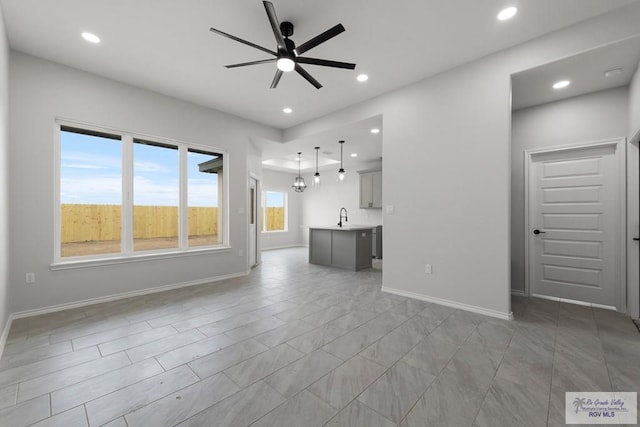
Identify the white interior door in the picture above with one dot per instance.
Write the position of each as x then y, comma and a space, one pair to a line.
574, 213
253, 222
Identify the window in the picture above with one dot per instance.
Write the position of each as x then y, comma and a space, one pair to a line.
90, 193
204, 186
156, 194
274, 211
120, 195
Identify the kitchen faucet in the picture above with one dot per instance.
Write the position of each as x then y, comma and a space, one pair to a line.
345, 217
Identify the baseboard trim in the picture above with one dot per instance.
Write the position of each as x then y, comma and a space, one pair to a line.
518, 292
123, 295
449, 303
5, 333
274, 248
571, 301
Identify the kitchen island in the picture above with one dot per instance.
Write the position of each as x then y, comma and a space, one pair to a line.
346, 247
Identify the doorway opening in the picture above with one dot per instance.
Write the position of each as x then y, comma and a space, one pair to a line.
549, 128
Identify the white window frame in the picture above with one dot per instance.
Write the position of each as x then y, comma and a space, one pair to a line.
264, 211
127, 254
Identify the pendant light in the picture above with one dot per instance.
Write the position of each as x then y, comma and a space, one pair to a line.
341, 172
316, 176
298, 183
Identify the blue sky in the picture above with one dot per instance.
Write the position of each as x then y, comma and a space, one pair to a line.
274, 198
91, 173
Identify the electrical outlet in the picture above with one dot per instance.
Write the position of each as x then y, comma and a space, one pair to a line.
427, 268
30, 278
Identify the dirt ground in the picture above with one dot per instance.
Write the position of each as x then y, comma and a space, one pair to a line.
113, 246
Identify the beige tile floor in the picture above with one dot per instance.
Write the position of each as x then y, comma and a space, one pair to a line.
294, 344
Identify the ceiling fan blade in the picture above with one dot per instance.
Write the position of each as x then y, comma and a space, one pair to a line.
244, 64
308, 77
321, 38
276, 79
325, 63
229, 36
275, 25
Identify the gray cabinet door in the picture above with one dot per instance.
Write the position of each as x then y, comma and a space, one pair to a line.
370, 189
320, 247
376, 192
366, 191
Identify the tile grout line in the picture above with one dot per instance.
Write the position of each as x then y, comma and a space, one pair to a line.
553, 362
484, 397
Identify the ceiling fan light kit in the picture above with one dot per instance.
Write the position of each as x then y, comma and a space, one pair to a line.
287, 56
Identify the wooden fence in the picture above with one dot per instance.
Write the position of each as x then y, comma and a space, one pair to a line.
274, 219
81, 223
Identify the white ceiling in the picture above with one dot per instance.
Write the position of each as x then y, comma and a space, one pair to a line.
358, 139
585, 71
166, 46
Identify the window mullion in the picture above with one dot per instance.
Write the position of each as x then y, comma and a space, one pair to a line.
183, 210
127, 194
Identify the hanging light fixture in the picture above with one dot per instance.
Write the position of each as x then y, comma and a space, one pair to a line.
341, 172
316, 176
298, 183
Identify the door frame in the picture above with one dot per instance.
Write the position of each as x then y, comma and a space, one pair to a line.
258, 219
621, 230
633, 197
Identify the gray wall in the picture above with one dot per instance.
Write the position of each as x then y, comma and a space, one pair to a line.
592, 117
281, 181
5, 307
446, 151
40, 91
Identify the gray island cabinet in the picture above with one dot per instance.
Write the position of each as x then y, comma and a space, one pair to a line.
343, 247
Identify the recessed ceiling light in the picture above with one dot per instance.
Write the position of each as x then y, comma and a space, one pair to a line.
613, 72
375, 130
90, 37
561, 84
287, 110
362, 77
354, 154
507, 13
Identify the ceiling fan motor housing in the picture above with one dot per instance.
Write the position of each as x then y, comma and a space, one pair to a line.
286, 28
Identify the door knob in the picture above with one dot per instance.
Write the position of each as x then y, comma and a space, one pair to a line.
536, 232
636, 238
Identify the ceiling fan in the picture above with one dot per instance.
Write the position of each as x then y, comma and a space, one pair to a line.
287, 56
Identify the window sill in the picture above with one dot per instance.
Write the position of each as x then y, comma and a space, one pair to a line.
84, 263
274, 231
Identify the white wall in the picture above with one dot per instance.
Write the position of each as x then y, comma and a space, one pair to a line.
40, 91
281, 181
5, 307
591, 117
322, 203
446, 151
633, 190
634, 104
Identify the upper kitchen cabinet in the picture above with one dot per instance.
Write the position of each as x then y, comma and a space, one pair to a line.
370, 189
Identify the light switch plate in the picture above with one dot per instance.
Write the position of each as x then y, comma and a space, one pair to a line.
390, 210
